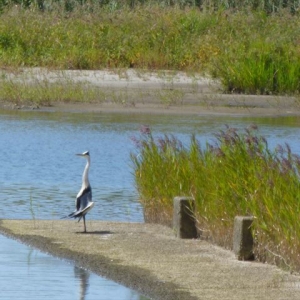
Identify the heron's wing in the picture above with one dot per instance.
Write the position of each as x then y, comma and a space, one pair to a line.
84, 198
85, 210
80, 213
83, 203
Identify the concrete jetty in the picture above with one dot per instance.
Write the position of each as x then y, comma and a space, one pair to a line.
150, 259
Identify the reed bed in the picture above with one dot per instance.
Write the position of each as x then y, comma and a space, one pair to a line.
251, 50
237, 174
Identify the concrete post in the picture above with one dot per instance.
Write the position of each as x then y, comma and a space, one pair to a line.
242, 238
184, 223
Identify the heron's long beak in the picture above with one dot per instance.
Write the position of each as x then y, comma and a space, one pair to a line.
79, 154
84, 154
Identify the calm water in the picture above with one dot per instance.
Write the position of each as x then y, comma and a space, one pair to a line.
35, 275
40, 177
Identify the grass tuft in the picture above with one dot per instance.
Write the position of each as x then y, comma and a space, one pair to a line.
44, 93
259, 55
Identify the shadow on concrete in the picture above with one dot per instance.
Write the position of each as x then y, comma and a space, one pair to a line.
101, 232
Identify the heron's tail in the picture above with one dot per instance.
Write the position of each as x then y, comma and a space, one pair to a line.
71, 215
80, 213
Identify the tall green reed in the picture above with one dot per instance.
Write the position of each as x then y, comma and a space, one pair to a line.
238, 174
259, 56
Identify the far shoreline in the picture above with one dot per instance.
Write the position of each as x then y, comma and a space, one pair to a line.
226, 108
145, 92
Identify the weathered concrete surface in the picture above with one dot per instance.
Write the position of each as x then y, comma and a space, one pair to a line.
150, 259
242, 237
184, 223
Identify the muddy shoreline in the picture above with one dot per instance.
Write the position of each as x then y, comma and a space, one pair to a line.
149, 259
138, 91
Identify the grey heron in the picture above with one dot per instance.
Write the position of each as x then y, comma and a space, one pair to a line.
83, 202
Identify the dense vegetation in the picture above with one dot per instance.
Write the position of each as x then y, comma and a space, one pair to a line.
238, 174
269, 6
252, 50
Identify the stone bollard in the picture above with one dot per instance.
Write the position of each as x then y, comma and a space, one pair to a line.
242, 238
184, 223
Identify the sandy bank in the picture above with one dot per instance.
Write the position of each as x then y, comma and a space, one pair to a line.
161, 92
149, 259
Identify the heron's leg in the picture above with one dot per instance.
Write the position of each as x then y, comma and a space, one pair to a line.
84, 223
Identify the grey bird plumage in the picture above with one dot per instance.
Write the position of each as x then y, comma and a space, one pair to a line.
83, 202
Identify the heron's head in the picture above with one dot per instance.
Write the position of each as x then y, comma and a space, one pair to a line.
84, 154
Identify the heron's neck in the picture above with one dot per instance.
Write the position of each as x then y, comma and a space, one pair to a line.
85, 176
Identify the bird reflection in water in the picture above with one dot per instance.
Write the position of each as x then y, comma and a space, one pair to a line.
83, 275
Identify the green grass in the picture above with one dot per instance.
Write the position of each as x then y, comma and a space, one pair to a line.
259, 55
269, 6
249, 51
144, 38
46, 94
238, 174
